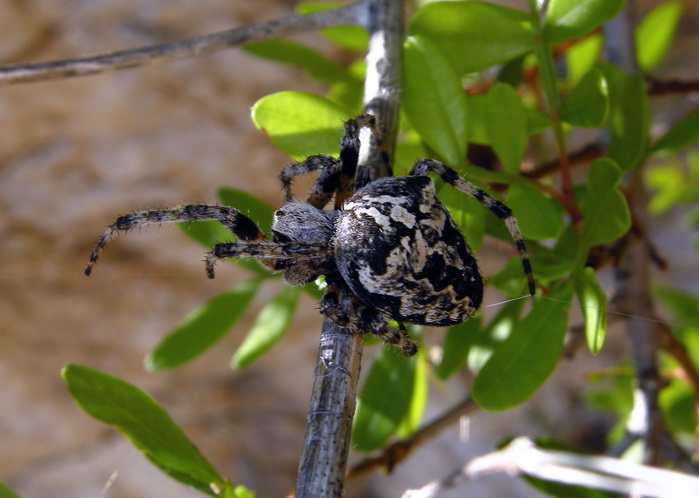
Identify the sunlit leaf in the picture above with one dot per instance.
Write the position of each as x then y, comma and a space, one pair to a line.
655, 33
144, 422
270, 326
582, 56
474, 35
568, 19
301, 124
413, 418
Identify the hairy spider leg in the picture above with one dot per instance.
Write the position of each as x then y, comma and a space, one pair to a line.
269, 253
324, 187
347, 310
424, 166
232, 219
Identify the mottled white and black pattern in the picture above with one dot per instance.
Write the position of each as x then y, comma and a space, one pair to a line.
398, 249
389, 251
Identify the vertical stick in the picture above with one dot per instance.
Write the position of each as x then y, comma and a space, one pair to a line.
329, 422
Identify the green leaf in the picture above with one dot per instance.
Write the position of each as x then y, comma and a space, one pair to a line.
593, 304
6, 492
506, 125
301, 124
440, 119
588, 103
495, 333
384, 400
683, 305
655, 33
678, 406
316, 65
144, 422
418, 400
582, 56
672, 184
606, 212
628, 119
456, 346
568, 19
202, 328
474, 35
521, 364
270, 326
683, 134
538, 216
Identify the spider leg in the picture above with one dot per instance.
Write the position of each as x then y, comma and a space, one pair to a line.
276, 256
325, 185
231, 218
424, 166
345, 309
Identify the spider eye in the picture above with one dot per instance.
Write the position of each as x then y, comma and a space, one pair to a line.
282, 265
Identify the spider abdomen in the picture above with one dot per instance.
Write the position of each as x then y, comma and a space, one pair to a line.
399, 250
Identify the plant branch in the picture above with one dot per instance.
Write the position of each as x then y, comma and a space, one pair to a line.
191, 47
522, 457
329, 424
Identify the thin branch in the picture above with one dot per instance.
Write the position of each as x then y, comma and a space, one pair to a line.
329, 424
400, 450
191, 47
522, 457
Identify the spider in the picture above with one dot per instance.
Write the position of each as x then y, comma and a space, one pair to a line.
388, 250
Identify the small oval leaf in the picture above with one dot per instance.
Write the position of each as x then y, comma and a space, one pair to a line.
654, 34
270, 326
593, 304
606, 212
301, 124
588, 103
202, 328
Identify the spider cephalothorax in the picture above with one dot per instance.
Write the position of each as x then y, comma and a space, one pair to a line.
388, 251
